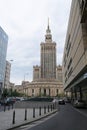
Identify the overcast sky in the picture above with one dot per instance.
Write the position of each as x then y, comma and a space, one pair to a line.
25, 22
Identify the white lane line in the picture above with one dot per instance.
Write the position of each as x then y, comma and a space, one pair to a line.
82, 113
27, 127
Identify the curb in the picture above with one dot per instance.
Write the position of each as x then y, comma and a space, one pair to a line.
31, 121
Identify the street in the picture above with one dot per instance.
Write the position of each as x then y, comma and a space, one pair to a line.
68, 118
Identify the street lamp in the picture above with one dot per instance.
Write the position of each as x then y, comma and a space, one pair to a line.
10, 75
24, 81
25, 76
11, 65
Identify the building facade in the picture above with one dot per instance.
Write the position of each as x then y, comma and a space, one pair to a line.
3, 51
48, 57
75, 52
12, 86
41, 88
47, 78
59, 74
36, 73
7, 75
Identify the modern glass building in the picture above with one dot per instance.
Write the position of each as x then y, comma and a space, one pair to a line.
3, 51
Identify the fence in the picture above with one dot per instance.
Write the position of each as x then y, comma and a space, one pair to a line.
36, 111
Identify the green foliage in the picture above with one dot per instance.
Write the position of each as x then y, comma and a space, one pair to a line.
61, 95
5, 93
10, 93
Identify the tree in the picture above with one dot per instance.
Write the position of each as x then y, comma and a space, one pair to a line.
5, 92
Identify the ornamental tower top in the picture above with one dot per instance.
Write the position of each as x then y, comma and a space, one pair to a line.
48, 36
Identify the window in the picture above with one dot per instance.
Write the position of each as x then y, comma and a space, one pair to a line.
70, 62
32, 92
68, 46
57, 91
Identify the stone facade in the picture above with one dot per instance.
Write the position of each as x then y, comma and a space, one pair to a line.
44, 88
59, 74
47, 78
48, 57
36, 73
75, 51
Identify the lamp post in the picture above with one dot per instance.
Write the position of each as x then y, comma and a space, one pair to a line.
24, 81
11, 64
10, 76
25, 75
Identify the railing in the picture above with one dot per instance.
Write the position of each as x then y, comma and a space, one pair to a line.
23, 112
35, 112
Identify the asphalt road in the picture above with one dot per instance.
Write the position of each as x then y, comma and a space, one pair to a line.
68, 118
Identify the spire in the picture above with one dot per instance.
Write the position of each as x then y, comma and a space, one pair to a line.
48, 22
48, 31
48, 36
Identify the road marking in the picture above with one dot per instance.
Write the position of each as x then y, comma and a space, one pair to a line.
28, 126
82, 113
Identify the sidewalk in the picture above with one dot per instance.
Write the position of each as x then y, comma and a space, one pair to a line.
7, 117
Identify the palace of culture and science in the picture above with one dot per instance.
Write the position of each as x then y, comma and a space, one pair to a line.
47, 78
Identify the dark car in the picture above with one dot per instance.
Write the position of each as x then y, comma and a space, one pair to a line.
79, 104
8, 101
61, 102
11, 100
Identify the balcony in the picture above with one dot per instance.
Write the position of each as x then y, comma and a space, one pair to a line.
83, 7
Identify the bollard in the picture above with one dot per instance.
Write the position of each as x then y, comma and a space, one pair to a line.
55, 105
48, 108
44, 110
25, 114
12, 105
34, 112
51, 107
8, 107
13, 121
4, 107
39, 111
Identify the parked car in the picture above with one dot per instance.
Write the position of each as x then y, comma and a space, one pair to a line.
11, 100
79, 104
61, 102
8, 101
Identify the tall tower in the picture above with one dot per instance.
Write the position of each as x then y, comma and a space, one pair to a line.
47, 78
3, 51
48, 56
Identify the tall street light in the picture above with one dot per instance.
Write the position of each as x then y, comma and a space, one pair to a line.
25, 76
24, 81
11, 65
11, 61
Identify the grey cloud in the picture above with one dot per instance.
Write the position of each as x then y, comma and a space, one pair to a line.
26, 26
